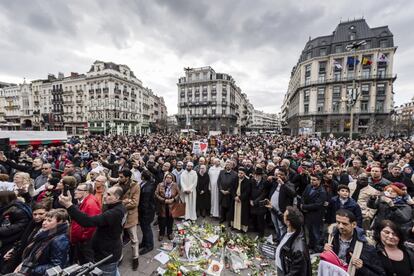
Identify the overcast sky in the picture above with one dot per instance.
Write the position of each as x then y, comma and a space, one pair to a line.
257, 42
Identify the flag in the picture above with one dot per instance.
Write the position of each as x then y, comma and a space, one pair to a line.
366, 61
337, 65
382, 58
351, 61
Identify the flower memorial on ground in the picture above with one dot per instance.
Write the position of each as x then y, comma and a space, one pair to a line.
212, 249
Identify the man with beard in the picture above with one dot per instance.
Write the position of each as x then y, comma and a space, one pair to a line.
177, 173
214, 173
345, 236
226, 182
241, 196
376, 180
189, 188
259, 192
395, 174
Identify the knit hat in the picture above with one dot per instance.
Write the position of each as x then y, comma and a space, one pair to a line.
399, 185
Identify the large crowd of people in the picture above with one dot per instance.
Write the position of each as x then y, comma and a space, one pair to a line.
82, 201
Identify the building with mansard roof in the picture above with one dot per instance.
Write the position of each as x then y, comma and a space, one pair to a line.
321, 83
210, 101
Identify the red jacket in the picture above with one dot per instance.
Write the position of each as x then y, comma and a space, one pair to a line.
89, 206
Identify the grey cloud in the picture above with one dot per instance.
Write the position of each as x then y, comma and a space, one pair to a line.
258, 42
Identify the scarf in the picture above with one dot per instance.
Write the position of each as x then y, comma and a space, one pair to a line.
40, 242
167, 189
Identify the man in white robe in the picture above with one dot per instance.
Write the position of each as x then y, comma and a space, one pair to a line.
189, 189
214, 172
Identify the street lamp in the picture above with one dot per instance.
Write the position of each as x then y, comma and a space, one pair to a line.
187, 117
353, 96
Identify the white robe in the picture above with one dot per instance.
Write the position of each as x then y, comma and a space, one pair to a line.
214, 172
189, 183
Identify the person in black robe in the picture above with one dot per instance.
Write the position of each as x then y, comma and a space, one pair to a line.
227, 181
203, 191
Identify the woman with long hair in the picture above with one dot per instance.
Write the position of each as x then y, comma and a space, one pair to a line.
397, 259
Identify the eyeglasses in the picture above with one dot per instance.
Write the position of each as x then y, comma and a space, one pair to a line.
81, 190
45, 168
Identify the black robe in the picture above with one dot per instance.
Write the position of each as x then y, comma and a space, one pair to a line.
203, 184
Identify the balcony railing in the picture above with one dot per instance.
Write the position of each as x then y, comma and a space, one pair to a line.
357, 110
348, 79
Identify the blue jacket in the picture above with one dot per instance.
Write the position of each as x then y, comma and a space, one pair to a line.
312, 204
350, 204
55, 254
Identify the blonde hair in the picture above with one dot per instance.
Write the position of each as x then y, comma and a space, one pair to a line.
26, 178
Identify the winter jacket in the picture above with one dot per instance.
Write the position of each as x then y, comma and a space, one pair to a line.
378, 184
294, 256
109, 227
161, 197
313, 204
258, 193
350, 204
131, 201
400, 213
371, 265
89, 206
146, 207
55, 254
14, 218
286, 195
363, 198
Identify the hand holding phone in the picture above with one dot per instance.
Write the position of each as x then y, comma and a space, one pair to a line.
65, 190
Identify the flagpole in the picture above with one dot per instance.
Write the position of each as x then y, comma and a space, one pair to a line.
354, 46
351, 128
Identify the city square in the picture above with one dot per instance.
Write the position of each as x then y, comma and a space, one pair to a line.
206, 138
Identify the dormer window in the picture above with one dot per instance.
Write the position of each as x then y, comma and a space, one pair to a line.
352, 36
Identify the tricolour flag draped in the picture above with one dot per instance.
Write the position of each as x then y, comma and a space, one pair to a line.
366, 61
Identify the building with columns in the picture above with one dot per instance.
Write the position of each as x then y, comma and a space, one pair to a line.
321, 83
210, 101
109, 98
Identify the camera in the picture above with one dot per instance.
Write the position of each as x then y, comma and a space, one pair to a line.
89, 269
